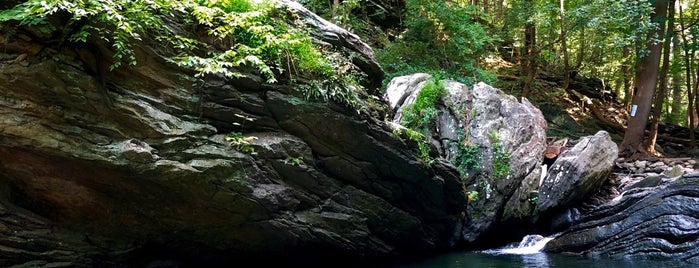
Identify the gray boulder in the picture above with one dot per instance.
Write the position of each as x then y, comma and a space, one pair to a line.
577, 173
508, 137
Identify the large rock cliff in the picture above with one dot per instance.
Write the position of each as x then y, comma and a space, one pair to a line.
147, 171
147, 166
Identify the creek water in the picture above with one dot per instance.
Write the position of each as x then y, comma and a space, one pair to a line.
528, 254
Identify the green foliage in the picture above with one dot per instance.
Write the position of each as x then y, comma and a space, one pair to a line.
259, 37
241, 142
120, 21
485, 187
597, 34
242, 35
294, 161
424, 149
501, 158
19, 13
422, 114
228, 6
326, 90
441, 36
473, 195
467, 157
533, 200
413, 135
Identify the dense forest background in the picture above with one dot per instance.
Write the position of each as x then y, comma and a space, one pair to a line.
629, 64
538, 49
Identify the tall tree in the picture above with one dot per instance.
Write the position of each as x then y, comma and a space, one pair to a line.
564, 47
626, 73
662, 87
531, 51
688, 58
675, 107
646, 78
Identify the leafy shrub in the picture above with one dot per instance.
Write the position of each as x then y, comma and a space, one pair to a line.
228, 6
412, 135
422, 114
473, 195
243, 35
241, 142
440, 36
467, 158
501, 158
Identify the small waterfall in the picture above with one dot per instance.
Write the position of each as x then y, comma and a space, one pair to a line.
530, 244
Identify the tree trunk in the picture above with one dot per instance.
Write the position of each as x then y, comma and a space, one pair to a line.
564, 47
581, 50
695, 114
333, 8
660, 95
626, 72
646, 78
688, 78
675, 108
530, 50
596, 60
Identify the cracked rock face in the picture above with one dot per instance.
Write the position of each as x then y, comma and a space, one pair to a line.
154, 176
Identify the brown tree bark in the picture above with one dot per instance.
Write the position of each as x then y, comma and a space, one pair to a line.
688, 79
677, 93
662, 87
626, 73
582, 50
529, 66
646, 78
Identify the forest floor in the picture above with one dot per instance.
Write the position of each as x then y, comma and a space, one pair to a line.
576, 112
585, 108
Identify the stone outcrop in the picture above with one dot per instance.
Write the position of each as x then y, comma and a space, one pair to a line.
577, 173
147, 173
141, 168
361, 54
495, 123
646, 222
648, 211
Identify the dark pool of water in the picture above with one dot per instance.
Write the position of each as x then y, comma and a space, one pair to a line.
539, 260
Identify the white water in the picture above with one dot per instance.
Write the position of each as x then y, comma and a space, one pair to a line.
530, 244
617, 198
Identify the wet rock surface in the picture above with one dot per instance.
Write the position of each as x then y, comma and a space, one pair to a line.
649, 210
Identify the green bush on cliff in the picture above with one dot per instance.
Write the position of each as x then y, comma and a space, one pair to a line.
423, 147
422, 114
238, 35
501, 158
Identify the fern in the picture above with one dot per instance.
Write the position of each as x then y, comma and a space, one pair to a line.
246, 35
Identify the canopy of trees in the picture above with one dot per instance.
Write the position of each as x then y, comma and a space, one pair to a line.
643, 51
